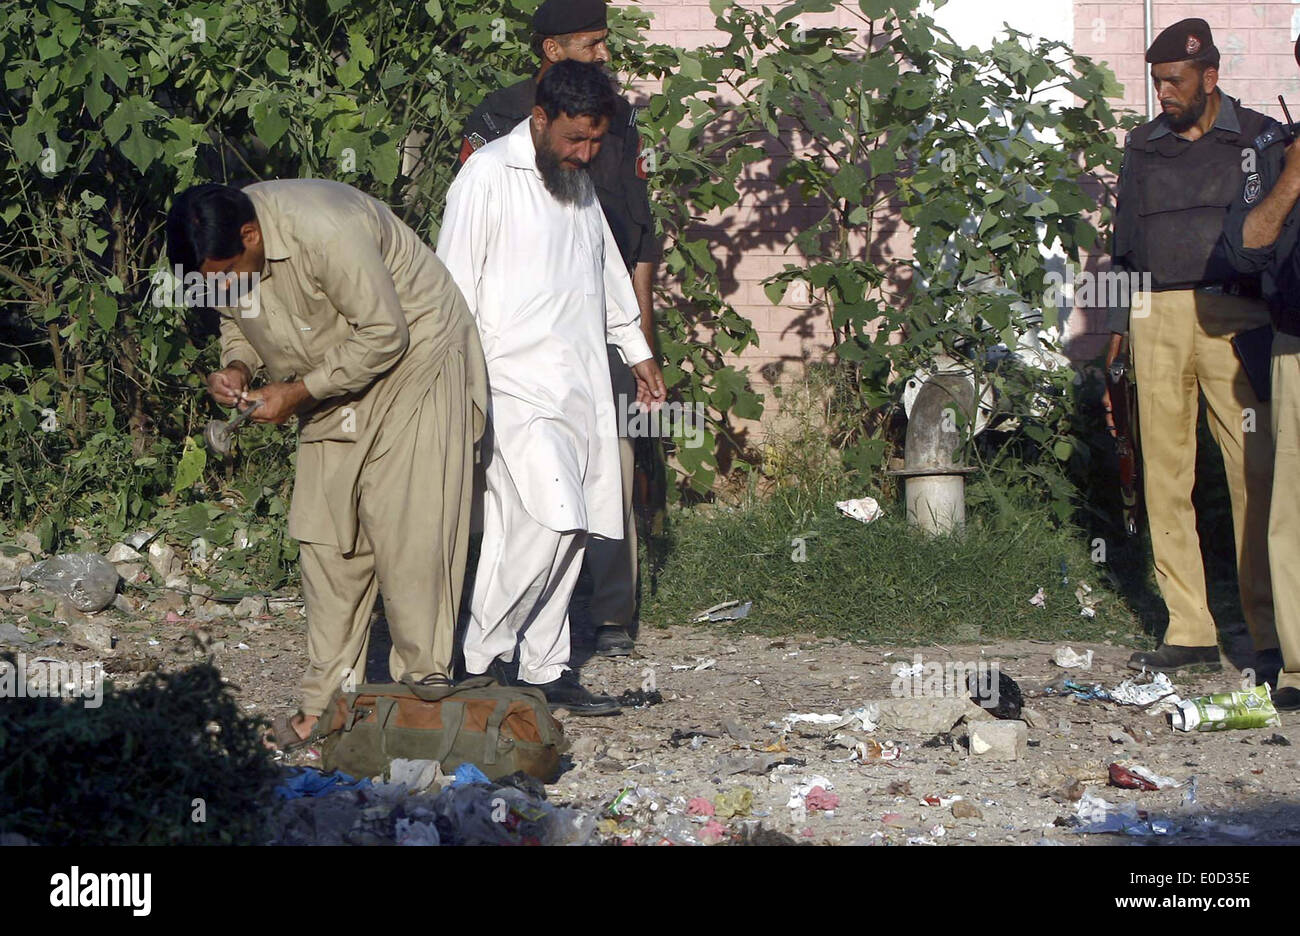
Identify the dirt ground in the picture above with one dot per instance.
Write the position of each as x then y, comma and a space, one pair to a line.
724, 698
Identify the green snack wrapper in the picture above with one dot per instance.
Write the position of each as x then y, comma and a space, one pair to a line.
1222, 711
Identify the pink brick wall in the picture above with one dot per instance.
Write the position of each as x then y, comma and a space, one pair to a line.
1255, 39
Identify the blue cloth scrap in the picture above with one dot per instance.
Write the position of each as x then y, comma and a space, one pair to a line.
308, 781
468, 773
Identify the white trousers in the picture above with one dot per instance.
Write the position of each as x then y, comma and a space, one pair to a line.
526, 576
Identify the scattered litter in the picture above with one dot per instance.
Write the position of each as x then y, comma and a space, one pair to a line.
309, 782
413, 832
88, 580
727, 611
865, 718
699, 806
468, 773
692, 734
417, 775
1137, 777
1087, 601
798, 803
698, 666
822, 800
1039, 600
736, 802
872, 751
712, 833
640, 698
1158, 690
1277, 739
1223, 711
1005, 702
863, 509
1095, 815
1068, 658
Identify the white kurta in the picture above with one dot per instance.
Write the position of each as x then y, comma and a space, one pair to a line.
534, 273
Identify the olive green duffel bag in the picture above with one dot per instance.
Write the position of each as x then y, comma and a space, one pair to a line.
499, 729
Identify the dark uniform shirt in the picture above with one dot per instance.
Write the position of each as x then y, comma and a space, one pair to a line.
1279, 263
1173, 197
616, 170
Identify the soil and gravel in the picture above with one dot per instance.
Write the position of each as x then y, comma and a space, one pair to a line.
720, 726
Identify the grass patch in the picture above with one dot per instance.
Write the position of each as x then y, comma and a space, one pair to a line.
883, 583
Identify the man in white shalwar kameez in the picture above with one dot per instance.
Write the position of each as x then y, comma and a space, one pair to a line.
525, 239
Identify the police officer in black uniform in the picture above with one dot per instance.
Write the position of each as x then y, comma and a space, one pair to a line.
577, 29
1180, 173
1262, 235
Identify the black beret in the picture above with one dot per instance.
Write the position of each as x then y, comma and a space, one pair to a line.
561, 17
1186, 40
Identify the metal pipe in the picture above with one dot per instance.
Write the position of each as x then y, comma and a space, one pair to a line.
1148, 31
935, 485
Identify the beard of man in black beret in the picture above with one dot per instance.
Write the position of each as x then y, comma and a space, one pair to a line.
1184, 90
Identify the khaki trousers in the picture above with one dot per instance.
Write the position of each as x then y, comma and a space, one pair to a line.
1284, 518
414, 515
612, 562
1181, 343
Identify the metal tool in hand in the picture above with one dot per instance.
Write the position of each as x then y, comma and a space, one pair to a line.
220, 435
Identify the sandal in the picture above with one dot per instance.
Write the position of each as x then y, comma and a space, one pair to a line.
284, 737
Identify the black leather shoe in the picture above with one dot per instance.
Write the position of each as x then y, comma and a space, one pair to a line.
1171, 658
613, 641
1287, 699
567, 693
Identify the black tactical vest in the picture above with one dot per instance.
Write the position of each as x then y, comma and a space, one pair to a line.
1181, 192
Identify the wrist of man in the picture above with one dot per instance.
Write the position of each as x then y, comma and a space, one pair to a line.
243, 369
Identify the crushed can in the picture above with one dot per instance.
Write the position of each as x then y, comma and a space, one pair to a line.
1222, 711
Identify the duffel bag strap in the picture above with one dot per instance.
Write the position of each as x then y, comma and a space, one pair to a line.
492, 733
453, 719
435, 688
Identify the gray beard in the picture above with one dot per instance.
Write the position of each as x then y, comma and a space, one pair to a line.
569, 186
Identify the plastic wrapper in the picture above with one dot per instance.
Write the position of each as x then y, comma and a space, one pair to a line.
88, 580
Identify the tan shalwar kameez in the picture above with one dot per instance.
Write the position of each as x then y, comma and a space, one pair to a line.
354, 304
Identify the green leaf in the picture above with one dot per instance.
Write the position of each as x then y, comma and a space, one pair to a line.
278, 61
269, 122
105, 309
96, 98
189, 469
1062, 450
141, 149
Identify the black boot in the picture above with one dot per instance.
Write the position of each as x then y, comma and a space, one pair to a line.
1287, 699
1171, 658
567, 693
613, 640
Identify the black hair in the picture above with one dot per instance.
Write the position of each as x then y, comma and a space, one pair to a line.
204, 222
577, 89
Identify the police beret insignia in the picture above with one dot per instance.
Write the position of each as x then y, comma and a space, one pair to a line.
476, 140
1253, 186
1193, 45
